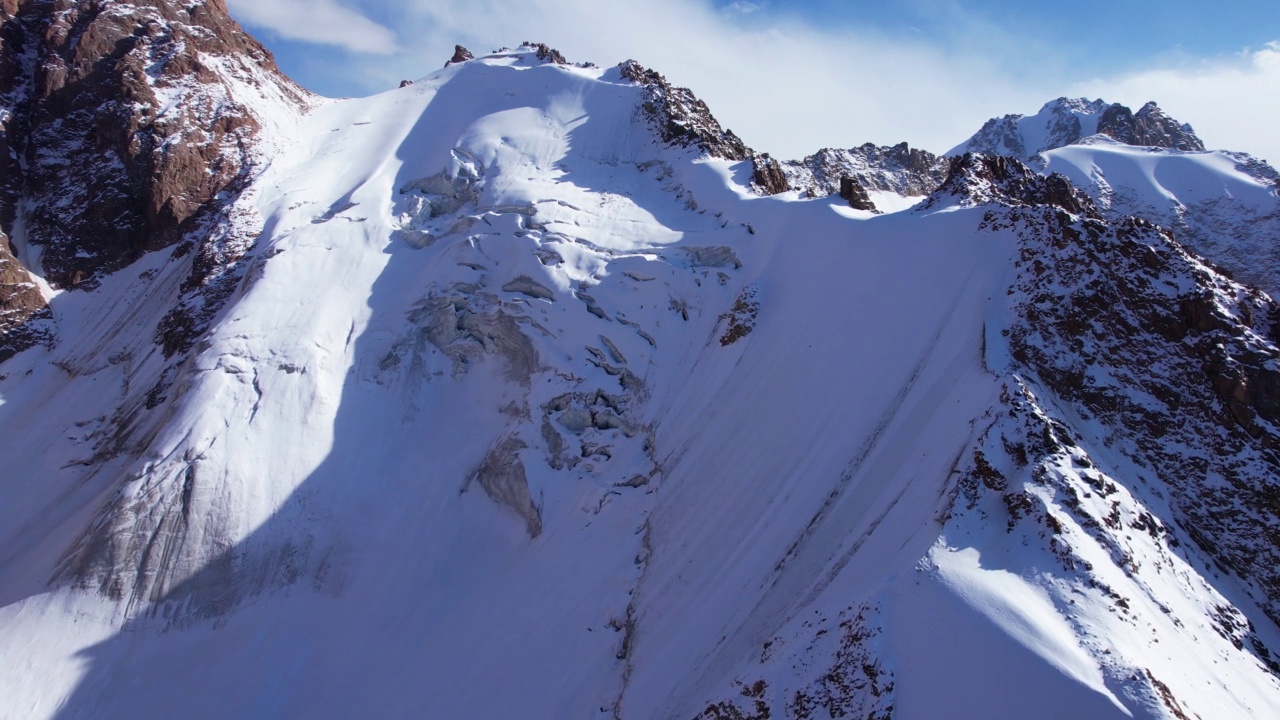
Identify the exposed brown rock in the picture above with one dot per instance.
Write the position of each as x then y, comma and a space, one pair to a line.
767, 175
546, 53
978, 179
460, 54
1167, 375
680, 118
899, 169
124, 131
109, 169
852, 191
1150, 126
22, 307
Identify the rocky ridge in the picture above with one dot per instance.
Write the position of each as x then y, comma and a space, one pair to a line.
1224, 206
1149, 127
1120, 323
680, 118
898, 169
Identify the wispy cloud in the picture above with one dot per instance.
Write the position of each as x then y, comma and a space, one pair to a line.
743, 7
789, 86
317, 21
783, 84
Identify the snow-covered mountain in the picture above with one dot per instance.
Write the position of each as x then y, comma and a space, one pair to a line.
513, 392
1067, 121
1224, 205
893, 177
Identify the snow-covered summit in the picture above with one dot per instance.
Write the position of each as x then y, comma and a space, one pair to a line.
1223, 205
1067, 121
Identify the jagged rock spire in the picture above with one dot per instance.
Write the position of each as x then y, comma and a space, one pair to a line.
1150, 126
681, 118
460, 54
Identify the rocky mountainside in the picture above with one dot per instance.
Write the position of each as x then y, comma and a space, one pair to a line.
127, 127
900, 171
1118, 323
531, 375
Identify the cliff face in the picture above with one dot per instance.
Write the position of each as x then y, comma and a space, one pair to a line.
1149, 127
1118, 323
127, 127
680, 118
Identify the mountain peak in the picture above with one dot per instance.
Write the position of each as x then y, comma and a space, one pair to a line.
1080, 106
1069, 121
1150, 127
682, 119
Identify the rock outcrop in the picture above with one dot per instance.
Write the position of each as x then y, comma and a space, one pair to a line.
460, 54
128, 128
122, 112
975, 179
852, 191
767, 175
898, 169
680, 118
1150, 127
24, 315
546, 53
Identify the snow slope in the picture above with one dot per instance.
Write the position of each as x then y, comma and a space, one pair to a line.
519, 412
1224, 205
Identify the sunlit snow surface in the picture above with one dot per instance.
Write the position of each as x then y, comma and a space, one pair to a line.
332, 558
1213, 201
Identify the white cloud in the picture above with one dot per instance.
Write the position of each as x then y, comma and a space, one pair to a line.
1231, 102
786, 87
790, 87
316, 21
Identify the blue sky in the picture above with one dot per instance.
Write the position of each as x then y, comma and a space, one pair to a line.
1099, 35
846, 71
